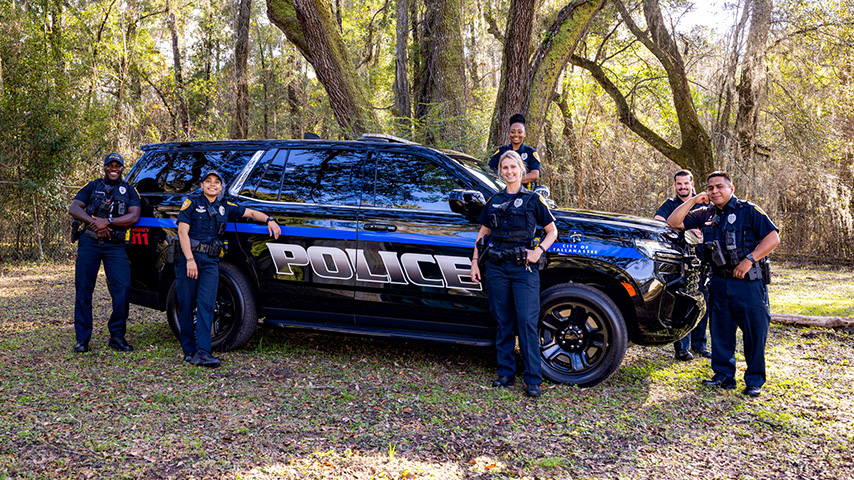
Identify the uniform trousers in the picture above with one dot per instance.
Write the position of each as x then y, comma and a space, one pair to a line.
90, 254
199, 295
738, 303
513, 293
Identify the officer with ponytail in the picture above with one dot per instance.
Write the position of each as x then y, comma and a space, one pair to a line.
512, 277
201, 224
528, 153
103, 211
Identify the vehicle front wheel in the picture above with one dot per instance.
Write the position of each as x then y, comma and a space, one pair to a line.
582, 335
235, 311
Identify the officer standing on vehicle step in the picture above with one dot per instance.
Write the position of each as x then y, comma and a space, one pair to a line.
683, 183
737, 238
512, 276
528, 153
201, 224
102, 211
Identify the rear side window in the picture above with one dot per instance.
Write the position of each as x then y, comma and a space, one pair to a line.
266, 180
322, 176
181, 171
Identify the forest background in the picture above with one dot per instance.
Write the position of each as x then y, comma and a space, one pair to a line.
619, 94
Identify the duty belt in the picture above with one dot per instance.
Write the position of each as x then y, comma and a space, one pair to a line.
722, 272
201, 247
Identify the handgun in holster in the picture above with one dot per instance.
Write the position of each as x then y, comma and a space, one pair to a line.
172, 249
482, 246
713, 253
77, 229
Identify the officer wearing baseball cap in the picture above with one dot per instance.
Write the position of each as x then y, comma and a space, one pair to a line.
103, 210
201, 225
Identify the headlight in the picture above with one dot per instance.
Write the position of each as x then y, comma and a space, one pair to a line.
654, 248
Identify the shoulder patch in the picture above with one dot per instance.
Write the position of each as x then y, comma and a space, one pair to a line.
186, 204
232, 204
536, 155
137, 191
760, 210
543, 201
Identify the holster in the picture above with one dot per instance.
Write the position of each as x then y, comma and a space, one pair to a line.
483, 249
76, 230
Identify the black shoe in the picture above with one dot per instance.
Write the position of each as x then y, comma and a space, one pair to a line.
684, 355
725, 383
532, 391
203, 358
504, 382
752, 391
188, 357
703, 352
119, 343
81, 347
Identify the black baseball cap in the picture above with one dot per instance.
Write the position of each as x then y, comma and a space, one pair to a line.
214, 173
114, 157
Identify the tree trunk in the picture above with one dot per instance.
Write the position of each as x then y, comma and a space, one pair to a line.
726, 96
513, 87
402, 97
550, 60
240, 126
575, 159
183, 114
752, 80
443, 91
310, 25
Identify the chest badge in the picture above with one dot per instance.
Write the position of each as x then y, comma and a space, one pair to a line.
123, 190
517, 203
524, 156
221, 210
730, 218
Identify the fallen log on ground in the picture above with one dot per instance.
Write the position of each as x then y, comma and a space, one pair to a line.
824, 322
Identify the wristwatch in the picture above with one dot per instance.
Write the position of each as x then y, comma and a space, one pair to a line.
541, 248
750, 257
270, 219
110, 220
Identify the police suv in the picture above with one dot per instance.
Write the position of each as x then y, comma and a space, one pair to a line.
377, 238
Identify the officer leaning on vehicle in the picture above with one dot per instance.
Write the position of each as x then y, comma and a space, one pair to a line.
201, 224
683, 183
528, 153
737, 238
512, 277
102, 211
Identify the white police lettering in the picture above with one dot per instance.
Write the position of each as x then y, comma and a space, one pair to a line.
337, 264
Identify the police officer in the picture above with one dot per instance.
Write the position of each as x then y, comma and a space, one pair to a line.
102, 212
512, 278
737, 236
528, 153
201, 223
683, 183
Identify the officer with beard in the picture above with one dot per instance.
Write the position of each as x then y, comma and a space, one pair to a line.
103, 210
683, 183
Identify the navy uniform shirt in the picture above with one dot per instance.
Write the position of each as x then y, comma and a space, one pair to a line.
536, 206
203, 225
753, 222
671, 204
102, 188
528, 153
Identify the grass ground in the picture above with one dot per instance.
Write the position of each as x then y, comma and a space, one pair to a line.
298, 405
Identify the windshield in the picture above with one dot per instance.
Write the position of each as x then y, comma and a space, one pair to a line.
478, 169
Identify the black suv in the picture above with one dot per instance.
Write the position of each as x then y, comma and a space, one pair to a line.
377, 236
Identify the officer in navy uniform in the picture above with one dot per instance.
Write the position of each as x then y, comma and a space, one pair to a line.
528, 153
512, 277
683, 183
201, 224
102, 212
737, 237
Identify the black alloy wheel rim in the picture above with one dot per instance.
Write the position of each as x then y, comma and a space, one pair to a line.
573, 338
225, 312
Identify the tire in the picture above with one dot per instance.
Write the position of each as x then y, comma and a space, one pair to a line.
235, 313
582, 335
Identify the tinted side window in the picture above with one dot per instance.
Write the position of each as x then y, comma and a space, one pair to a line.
179, 172
408, 181
321, 176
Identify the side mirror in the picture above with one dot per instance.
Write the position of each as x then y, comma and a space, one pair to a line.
466, 202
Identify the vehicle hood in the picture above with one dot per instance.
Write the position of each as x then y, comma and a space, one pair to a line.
617, 224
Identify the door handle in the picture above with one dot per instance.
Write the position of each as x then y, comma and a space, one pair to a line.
380, 227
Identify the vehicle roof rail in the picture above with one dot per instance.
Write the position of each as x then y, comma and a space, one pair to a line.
382, 137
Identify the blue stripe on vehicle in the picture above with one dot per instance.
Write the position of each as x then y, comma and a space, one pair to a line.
466, 240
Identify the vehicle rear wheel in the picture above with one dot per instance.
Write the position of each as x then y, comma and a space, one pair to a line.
235, 312
582, 335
